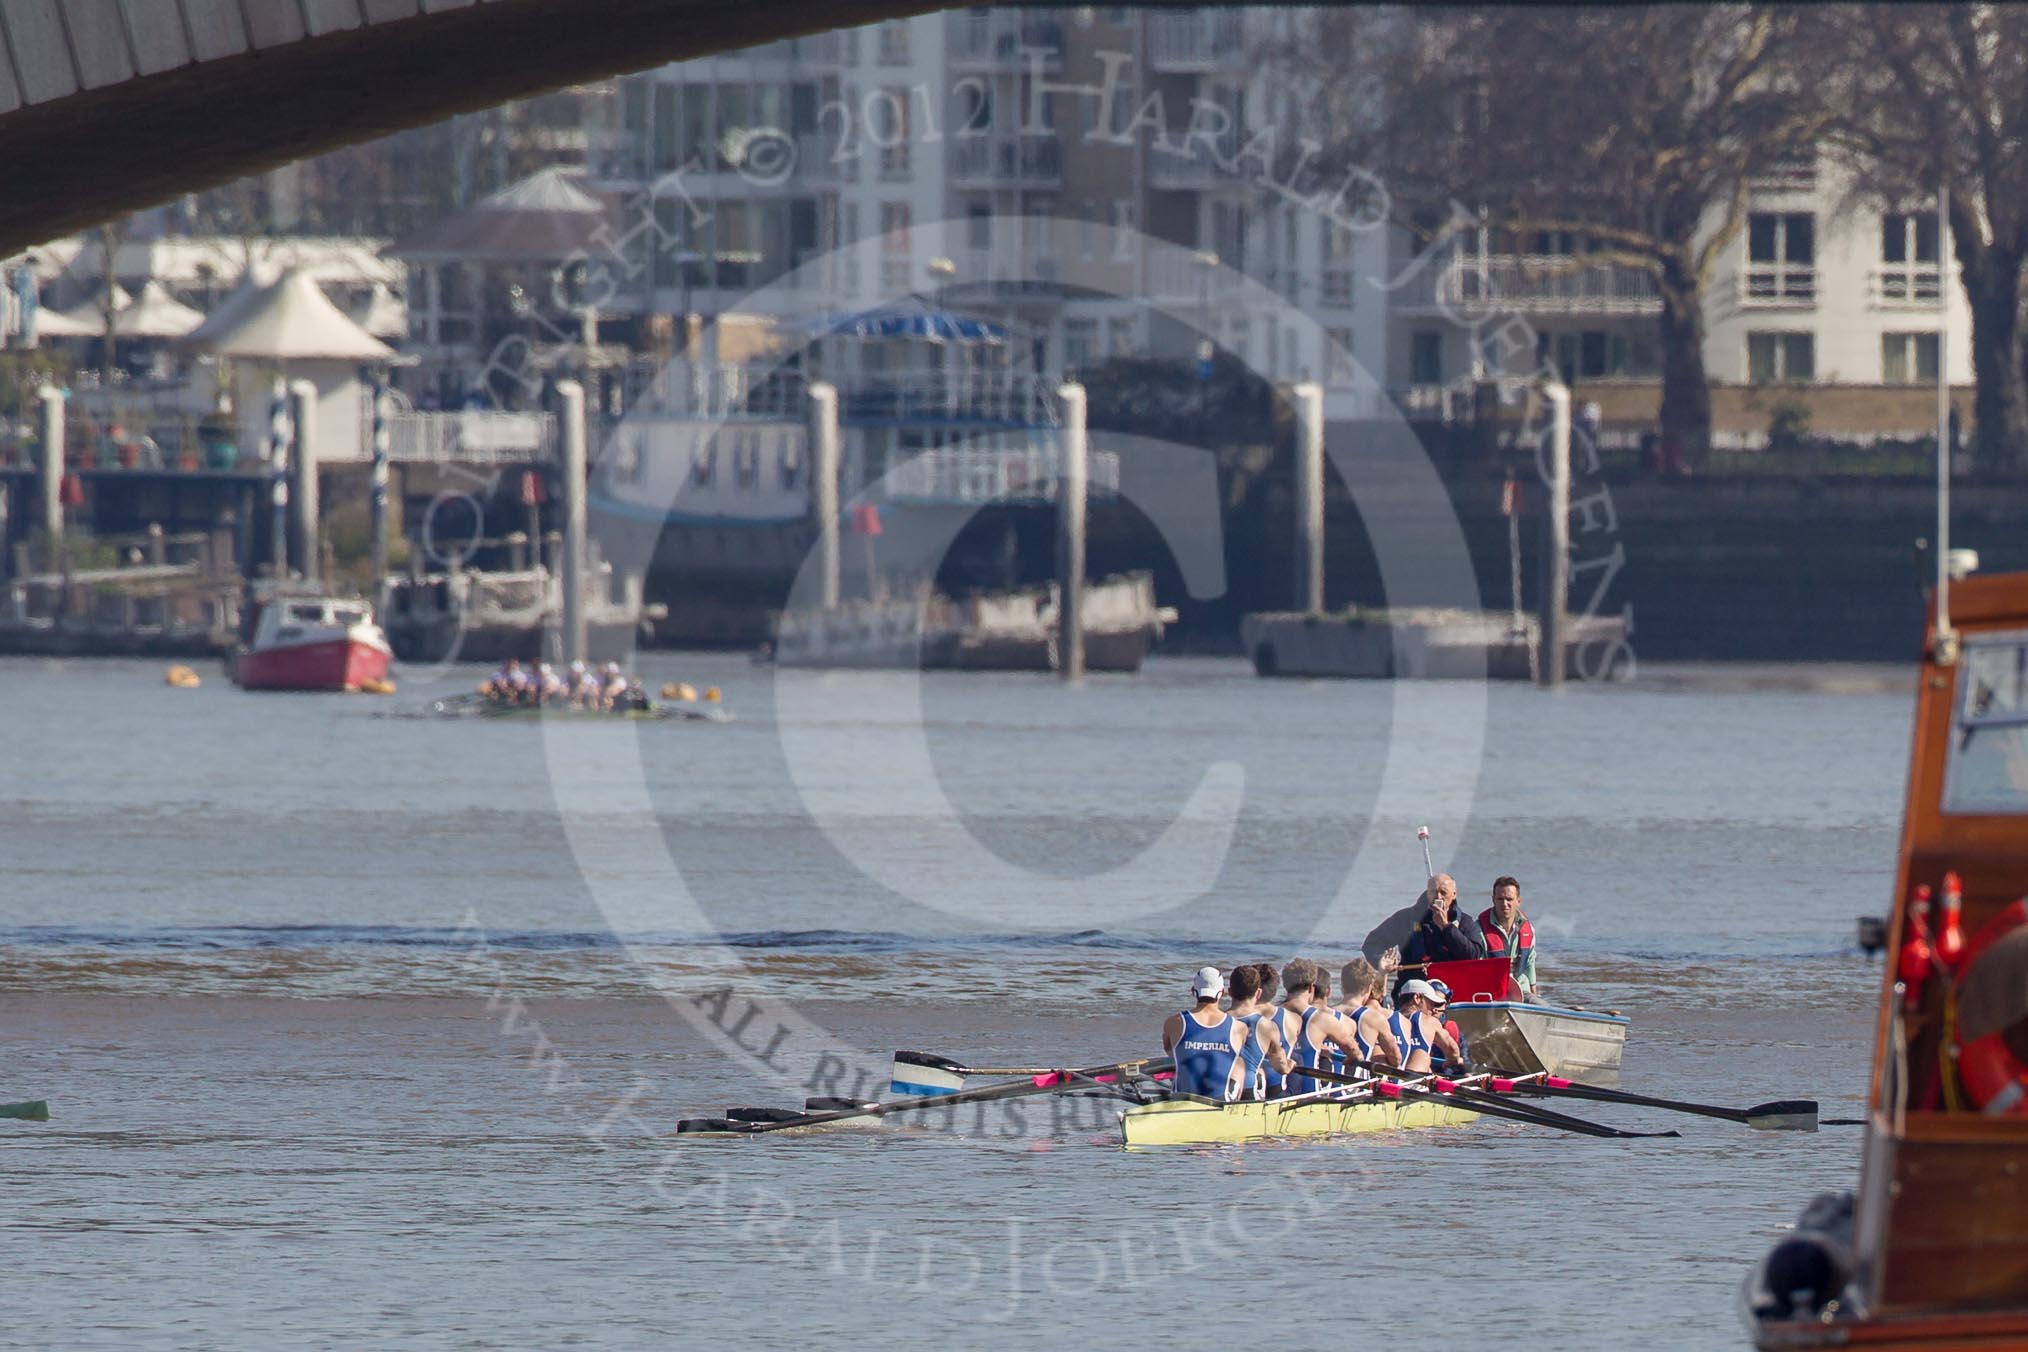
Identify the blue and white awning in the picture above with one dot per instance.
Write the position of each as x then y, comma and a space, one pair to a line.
934, 326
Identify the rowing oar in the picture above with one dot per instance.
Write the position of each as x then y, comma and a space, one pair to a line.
35, 1110
918, 1073
1452, 1091
1780, 1115
1038, 1084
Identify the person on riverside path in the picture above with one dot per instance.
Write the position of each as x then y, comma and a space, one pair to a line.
1319, 1033
1506, 932
1417, 1025
1208, 1043
1365, 1013
1263, 1043
1441, 935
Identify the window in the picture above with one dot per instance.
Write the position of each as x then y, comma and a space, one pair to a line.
888, 129
1121, 114
1080, 344
1123, 230
1772, 358
979, 226
1781, 256
1909, 274
1597, 354
1908, 358
1337, 265
1120, 337
894, 227
1426, 357
1338, 359
894, 43
1988, 770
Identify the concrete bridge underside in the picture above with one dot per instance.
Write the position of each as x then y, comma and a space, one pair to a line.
107, 106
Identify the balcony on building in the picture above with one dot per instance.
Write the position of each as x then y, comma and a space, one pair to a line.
1529, 284
1195, 40
1906, 286
982, 162
1778, 286
997, 39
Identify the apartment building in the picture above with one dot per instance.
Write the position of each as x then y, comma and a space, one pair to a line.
1818, 293
1011, 163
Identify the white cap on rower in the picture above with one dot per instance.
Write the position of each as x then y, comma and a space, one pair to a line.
1208, 983
1422, 988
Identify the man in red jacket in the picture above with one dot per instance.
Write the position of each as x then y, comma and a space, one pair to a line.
1508, 933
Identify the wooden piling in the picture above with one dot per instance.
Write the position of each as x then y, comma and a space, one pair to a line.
824, 469
1070, 527
571, 417
382, 453
303, 478
1556, 541
1309, 408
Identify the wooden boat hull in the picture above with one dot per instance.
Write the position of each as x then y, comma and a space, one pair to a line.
1187, 1122
1523, 1039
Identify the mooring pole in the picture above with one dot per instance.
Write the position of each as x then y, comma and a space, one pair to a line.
1070, 523
303, 474
279, 435
824, 488
1309, 402
382, 453
570, 413
49, 402
1556, 540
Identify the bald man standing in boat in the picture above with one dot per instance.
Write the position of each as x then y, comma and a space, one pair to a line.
1394, 932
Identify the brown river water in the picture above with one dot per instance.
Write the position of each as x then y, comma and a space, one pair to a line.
363, 1030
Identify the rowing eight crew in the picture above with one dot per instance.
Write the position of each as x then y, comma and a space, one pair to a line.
1257, 1049
606, 690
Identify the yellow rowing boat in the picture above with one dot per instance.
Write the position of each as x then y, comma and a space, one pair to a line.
1187, 1122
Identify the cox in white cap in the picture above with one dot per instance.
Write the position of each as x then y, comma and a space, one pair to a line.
1209, 985
1422, 988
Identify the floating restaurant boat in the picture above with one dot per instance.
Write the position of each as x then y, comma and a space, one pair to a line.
473, 616
310, 641
1194, 1122
1931, 1252
1522, 1037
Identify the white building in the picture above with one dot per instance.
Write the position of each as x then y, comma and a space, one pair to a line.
1005, 162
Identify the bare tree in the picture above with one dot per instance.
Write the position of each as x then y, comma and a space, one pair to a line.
1630, 133
1936, 96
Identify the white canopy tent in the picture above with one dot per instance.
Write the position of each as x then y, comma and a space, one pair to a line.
291, 327
155, 314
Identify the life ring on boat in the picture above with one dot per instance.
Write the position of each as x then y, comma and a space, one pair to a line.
1990, 1008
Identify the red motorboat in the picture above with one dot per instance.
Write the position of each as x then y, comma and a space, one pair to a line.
312, 642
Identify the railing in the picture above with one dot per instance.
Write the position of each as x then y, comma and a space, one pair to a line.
471, 438
1776, 284
1185, 169
995, 397
1911, 286
1196, 40
714, 391
1177, 279
993, 474
1028, 163
1791, 176
1530, 283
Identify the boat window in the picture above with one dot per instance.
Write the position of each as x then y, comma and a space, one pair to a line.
1988, 770
307, 614
348, 618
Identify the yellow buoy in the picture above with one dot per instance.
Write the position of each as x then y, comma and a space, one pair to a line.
682, 690
711, 696
182, 677
379, 687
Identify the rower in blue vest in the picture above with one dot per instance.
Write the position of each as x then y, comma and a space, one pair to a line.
1264, 1055
1419, 1027
1209, 1045
1318, 1029
1368, 1017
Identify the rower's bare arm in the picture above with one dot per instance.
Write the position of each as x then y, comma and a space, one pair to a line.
1171, 1032
1386, 1050
1445, 1043
1273, 1052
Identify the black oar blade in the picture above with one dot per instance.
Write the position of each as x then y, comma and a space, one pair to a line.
693, 1126
823, 1104
1783, 1115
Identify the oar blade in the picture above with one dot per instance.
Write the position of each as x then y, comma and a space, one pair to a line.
35, 1110
1783, 1115
714, 1126
919, 1074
